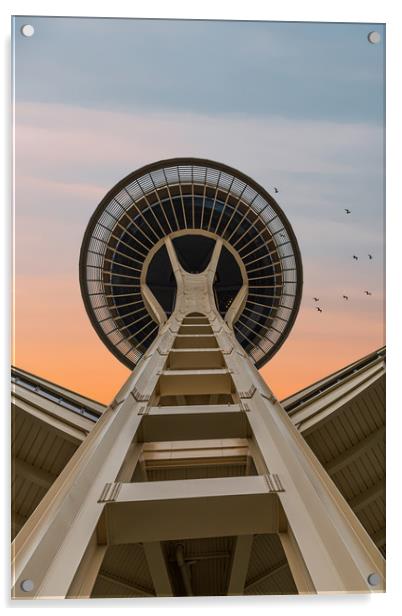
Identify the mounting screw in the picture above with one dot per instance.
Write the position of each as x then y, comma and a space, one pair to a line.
27, 585
374, 37
27, 30
373, 579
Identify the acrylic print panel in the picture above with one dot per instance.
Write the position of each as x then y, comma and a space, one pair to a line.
198, 350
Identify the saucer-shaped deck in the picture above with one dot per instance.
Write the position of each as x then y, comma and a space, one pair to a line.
193, 201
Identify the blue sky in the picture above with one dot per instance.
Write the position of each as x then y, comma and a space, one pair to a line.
297, 70
293, 105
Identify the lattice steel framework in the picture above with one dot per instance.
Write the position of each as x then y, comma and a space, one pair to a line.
194, 403
196, 195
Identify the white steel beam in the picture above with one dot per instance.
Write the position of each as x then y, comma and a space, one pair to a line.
192, 422
325, 406
165, 510
158, 569
51, 422
55, 411
51, 545
240, 562
88, 570
336, 549
297, 566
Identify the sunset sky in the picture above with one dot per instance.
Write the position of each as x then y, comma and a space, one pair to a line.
298, 106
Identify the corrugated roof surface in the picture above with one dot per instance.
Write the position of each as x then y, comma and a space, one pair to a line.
345, 432
268, 572
124, 573
42, 449
198, 472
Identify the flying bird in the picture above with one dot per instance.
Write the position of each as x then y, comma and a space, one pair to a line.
368, 293
345, 297
316, 299
370, 256
275, 189
355, 258
347, 211
319, 309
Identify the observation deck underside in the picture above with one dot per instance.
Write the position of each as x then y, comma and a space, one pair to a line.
194, 202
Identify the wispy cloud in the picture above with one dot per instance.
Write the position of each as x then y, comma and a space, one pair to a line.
301, 70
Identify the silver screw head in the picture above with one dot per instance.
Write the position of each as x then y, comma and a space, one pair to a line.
27, 585
27, 30
373, 579
374, 37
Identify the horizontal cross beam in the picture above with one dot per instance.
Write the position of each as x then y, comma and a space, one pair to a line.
194, 422
167, 510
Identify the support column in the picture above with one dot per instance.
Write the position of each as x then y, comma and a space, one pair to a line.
157, 567
88, 570
241, 559
297, 566
47, 552
338, 552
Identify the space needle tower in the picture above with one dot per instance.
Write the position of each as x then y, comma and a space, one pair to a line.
191, 275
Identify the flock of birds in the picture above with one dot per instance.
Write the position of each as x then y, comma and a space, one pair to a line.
355, 258
346, 297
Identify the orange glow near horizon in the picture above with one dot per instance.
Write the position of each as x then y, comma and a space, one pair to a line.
68, 157
74, 357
